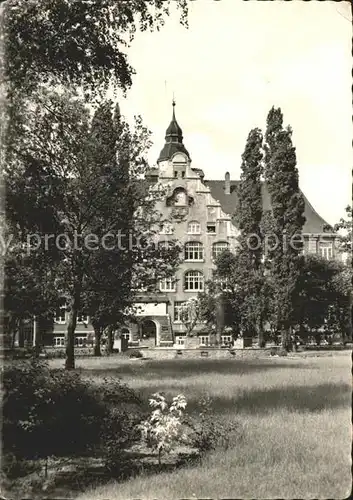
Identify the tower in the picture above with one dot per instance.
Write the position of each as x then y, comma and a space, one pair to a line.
173, 141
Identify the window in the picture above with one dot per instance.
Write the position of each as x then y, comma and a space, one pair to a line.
59, 341
326, 250
178, 308
180, 340
226, 339
193, 251
183, 174
167, 284
193, 281
60, 315
194, 227
82, 317
180, 198
211, 228
204, 340
167, 228
125, 334
175, 174
218, 248
80, 341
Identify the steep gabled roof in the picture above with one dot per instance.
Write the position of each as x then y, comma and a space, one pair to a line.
313, 224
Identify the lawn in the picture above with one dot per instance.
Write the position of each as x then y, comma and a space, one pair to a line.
294, 436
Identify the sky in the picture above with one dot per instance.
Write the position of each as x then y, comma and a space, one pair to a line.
236, 61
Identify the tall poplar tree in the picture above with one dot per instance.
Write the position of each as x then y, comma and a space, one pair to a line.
248, 217
287, 205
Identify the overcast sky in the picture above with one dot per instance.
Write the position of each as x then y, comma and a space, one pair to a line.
235, 61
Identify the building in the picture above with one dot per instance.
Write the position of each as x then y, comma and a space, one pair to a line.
200, 213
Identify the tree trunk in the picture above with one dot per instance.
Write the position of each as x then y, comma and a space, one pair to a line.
159, 457
71, 327
285, 342
219, 320
261, 333
11, 331
97, 342
21, 340
13, 338
110, 340
36, 339
213, 337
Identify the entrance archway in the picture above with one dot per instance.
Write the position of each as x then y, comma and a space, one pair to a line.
149, 331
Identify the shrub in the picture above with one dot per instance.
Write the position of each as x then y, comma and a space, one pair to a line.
207, 432
163, 430
19, 353
55, 412
136, 354
13, 468
282, 352
55, 353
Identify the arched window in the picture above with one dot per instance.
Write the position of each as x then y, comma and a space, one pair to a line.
218, 248
167, 284
125, 333
193, 250
180, 198
194, 227
193, 281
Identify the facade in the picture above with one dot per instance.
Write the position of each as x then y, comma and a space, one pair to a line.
199, 214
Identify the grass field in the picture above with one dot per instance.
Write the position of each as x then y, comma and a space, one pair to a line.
294, 439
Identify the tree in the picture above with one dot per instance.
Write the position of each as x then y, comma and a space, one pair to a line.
80, 43
281, 175
324, 298
88, 171
248, 216
29, 290
314, 297
191, 313
164, 429
226, 287
344, 228
341, 310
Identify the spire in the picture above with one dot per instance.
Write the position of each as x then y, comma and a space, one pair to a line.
173, 139
173, 104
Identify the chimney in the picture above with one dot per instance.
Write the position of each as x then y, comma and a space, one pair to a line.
227, 183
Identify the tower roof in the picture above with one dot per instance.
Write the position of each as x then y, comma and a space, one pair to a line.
173, 140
